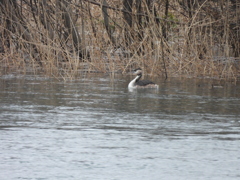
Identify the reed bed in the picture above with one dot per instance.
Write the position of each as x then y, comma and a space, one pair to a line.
63, 38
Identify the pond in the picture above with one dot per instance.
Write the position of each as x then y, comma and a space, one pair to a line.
95, 128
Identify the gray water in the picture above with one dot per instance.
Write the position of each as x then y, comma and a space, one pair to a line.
94, 128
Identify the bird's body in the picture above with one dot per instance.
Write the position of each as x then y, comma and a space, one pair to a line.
137, 83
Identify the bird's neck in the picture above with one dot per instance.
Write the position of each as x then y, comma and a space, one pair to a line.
138, 77
132, 84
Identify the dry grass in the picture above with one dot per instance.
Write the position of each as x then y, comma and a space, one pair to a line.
66, 39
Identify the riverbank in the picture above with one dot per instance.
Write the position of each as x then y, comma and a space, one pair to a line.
165, 40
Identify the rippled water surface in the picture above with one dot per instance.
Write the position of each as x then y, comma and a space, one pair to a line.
94, 128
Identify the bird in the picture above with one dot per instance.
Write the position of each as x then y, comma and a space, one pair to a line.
137, 83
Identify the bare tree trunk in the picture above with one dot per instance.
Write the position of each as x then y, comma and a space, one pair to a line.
70, 25
106, 23
127, 7
127, 16
165, 24
71, 29
139, 19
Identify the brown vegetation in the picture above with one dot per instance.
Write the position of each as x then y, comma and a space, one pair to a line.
199, 38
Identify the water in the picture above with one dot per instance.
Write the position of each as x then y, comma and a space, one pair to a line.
94, 128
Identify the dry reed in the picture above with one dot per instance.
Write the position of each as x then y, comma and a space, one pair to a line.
63, 38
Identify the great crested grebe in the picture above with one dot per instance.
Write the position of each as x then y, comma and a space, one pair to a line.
137, 83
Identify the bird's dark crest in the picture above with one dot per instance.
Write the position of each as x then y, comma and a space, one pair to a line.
137, 69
